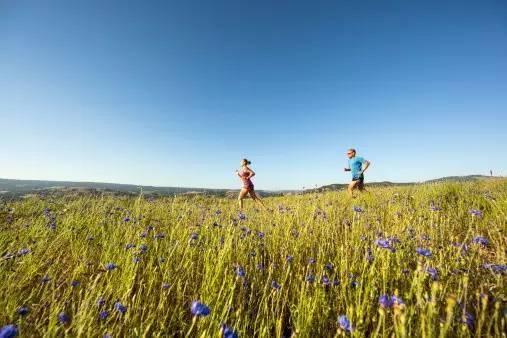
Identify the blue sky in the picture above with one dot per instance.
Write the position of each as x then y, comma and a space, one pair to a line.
176, 93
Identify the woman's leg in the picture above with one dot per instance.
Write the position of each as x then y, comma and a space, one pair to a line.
256, 198
242, 194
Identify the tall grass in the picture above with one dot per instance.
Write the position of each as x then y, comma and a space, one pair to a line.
195, 247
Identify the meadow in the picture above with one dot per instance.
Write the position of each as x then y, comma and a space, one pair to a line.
413, 261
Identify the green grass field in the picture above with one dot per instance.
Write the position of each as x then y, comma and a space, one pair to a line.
290, 272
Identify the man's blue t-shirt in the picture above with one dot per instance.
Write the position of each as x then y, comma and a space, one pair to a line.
356, 164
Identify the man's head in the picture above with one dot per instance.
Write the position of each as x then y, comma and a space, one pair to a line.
351, 153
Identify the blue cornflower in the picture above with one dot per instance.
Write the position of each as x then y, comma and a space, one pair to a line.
289, 258
469, 320
311, 261
160, 235
143, 248
240, 271
144, 234
111, 266
130, 246
101, 301
496, 268
165, 286
63, 318
194, 236
384, 244
432, 272
199, 309
344, 323
45, 279
325, 281
74, 283
385, 301
475, 213
480, 240
103, 314
357, 209
260, 234
241, 216
310, 279
423, 252
22, 311
126, 219
275, 285
329, 266
136, 260
120, 307
9, 331
23, 252
227, 332
52, 224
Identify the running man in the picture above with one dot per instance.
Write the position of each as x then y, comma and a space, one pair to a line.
357, 166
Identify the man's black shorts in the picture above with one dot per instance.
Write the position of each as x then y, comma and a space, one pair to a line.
360, 179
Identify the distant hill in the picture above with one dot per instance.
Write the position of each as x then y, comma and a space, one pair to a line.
10, 188
460, 178
387, 183
16, 188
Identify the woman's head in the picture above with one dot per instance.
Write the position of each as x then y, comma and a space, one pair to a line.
245, 162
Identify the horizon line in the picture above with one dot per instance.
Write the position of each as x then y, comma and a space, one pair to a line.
202, 188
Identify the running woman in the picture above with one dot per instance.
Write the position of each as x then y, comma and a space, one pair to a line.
357, 166
245, 173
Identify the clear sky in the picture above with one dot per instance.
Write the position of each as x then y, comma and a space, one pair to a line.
175, 93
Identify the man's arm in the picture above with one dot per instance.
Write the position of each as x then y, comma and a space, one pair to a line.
366, 164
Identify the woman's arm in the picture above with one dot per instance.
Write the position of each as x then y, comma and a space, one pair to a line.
251, 172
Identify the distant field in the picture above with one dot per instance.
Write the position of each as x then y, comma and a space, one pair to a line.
410, 261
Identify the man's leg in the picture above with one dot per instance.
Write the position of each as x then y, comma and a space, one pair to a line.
352, 186
360, 185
